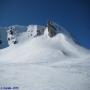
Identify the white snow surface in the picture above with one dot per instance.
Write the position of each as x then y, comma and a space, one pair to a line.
44, 63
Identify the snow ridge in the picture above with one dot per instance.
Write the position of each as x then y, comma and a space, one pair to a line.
39, 41
43, 58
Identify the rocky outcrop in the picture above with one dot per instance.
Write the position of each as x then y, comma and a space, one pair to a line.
35, 30
11, 36
52, 31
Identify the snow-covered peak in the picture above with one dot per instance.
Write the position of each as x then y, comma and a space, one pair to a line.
43, 58
58, 28
17, 34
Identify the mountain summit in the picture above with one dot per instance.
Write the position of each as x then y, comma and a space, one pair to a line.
36, 57
34, 38
11, 35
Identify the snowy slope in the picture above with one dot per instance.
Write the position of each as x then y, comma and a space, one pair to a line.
44, 63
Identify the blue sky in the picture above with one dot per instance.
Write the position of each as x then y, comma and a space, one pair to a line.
74, 15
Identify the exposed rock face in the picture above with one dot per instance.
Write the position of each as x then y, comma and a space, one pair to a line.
11, 36
35, 30
52, 31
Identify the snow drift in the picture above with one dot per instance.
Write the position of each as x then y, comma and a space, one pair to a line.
45, 58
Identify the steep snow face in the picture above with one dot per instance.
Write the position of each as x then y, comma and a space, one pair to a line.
43, 49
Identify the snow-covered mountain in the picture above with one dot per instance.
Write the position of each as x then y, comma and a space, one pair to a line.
3, 34
44, 58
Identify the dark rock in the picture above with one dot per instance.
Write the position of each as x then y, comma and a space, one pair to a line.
0, 41
52, 31
15, 42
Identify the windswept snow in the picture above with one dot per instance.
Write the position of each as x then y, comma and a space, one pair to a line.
44, 63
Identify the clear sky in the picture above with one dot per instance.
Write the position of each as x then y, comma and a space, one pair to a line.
74, 15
